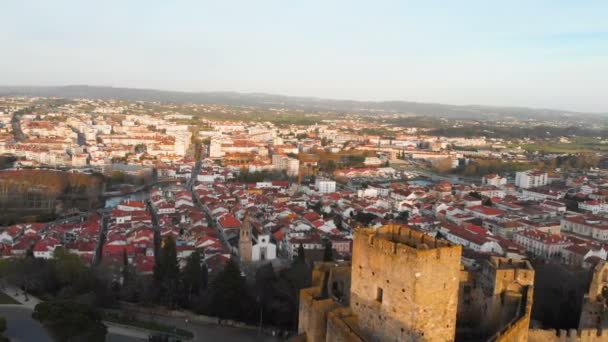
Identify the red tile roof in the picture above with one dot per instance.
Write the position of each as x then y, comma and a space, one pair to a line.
488, 211
229, 221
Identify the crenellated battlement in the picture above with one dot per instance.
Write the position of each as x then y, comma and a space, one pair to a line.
400, 240
501, 263
572, 335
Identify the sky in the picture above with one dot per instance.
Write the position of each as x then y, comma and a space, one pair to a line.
535, 53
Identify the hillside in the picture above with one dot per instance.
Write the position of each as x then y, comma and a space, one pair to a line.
304, 103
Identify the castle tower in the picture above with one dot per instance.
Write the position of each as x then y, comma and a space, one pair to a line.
245, 239
404, 285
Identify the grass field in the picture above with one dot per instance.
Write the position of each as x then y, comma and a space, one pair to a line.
6, 299
579, 144
153, 326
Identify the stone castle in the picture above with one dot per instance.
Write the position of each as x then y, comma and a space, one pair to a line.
403, 285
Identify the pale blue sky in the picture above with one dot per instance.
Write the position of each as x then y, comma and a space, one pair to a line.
517, 52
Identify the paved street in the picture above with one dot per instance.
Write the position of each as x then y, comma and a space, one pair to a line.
21, 326
30, 302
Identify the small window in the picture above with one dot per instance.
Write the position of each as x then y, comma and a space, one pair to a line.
379, 294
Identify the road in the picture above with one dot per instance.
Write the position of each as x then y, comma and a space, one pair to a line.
209, 332
21, 326
16, 124
105, 219
195, 171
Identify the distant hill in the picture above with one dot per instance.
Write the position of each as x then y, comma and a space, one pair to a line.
304, 103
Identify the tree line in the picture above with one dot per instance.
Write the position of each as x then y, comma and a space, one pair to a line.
482, 166
67, 283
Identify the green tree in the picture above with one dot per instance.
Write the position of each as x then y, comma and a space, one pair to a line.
317, 207
140, 148
71, 321
328, 254
328, 166
192, 275
129, 290
118, 177
229, 298
301, 254
475, 194
166, 271
338, 222
365, 218
71, 273
403, 216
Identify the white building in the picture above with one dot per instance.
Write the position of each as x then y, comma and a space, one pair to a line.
530, 179
263, 249
494, 179
539, 243
325, 186
594, 206
215, 149
372, 161
282, 162
595, 227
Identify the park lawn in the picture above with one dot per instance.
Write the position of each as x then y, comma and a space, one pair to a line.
152, 326
6, 299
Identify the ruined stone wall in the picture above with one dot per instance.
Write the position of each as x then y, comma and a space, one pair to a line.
517, 330
470, 300
341, 326
508, 275
338, 284
313, 314
317, 301
594, 313
491, 298
598, 281
404, 285
507, 282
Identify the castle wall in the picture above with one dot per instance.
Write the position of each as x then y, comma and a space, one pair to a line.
593, 313
505, 283
313, 314
583, 335
316, 302
496, 301
517, 329
339, 329
404, 285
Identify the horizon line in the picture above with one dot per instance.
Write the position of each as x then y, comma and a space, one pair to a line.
305, 97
